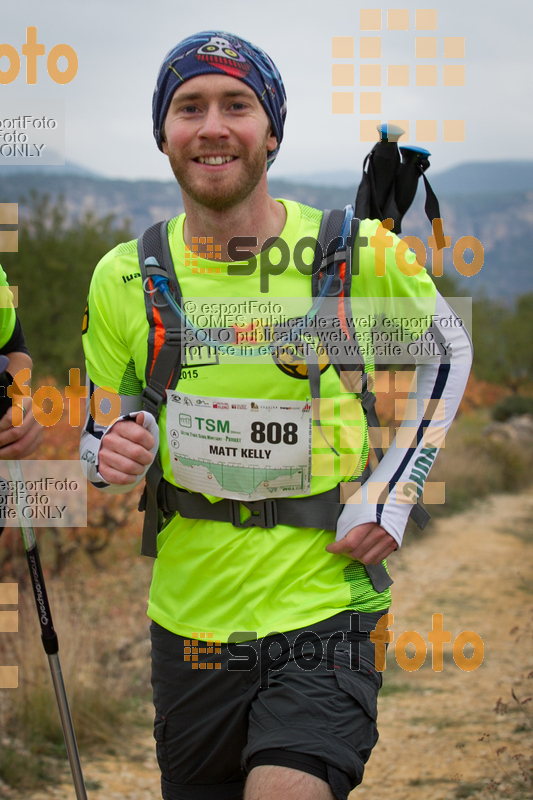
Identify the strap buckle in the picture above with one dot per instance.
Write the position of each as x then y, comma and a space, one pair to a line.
263, 514
173, 336
151, 398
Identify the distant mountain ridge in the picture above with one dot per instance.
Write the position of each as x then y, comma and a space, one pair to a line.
68, 168
497, 213
469, 178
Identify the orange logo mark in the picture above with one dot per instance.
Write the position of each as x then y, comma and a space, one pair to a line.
201, 644
203, 246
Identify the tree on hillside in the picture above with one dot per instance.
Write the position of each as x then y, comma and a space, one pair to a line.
52, 269
518, 334
490, 323
503, 341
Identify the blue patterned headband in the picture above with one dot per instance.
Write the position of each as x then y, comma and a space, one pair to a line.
221, 53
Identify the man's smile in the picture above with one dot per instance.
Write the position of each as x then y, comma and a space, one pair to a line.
214, 161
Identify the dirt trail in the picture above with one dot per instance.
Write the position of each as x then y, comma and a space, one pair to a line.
476, 570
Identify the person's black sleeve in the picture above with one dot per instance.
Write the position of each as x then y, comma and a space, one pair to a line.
17, 342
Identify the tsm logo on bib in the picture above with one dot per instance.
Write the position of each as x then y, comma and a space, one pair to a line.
291, 360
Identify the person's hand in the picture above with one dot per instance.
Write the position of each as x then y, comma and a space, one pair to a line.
368, 543
125, 451
22, 440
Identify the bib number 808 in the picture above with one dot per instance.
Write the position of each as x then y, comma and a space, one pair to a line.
274, 433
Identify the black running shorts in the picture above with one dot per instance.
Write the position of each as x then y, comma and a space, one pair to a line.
305, 699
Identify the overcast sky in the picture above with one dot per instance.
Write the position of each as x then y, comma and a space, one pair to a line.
120, 45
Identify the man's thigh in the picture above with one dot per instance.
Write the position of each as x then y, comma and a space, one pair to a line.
306, 701
280, 783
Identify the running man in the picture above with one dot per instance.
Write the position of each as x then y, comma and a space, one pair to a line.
263, 671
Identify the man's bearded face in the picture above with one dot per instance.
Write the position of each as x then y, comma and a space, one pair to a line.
216, 137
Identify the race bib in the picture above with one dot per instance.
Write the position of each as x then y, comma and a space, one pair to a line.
239, 448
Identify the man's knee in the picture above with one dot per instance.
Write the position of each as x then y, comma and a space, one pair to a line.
267, 782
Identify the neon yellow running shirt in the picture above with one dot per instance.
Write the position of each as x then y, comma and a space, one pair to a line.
211, 576
8, 316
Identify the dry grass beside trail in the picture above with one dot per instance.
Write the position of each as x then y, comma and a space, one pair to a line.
444, 735
454, 734
104, 651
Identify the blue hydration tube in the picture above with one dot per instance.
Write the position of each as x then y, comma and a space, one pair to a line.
162, 283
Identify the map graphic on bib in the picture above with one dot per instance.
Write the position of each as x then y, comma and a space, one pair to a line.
239, 448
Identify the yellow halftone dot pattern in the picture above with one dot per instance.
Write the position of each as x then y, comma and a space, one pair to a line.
435, 492
406, 493
370, 47
426, 47
9, 213
398, 19
405, 438
382, 381
9, 677
9, 593
342, 102
9, 621
426, 130
426, 74
405, 409
351, 438
378, 492
370, 75
426, 19
398, 75
434, 409
405, 381
349, 409
370, 19
342, 46
434, 437
351, 493
342, 75
323, 408
453, 75
348, 463
454, 47
329, 433
323, 465
9, 242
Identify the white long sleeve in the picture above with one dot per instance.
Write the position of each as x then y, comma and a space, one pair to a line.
387, 497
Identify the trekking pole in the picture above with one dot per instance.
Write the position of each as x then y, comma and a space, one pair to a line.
48, 634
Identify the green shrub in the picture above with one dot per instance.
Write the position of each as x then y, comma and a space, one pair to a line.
512, 406
52, 270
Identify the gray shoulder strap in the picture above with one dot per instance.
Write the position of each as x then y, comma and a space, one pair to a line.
163, 364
